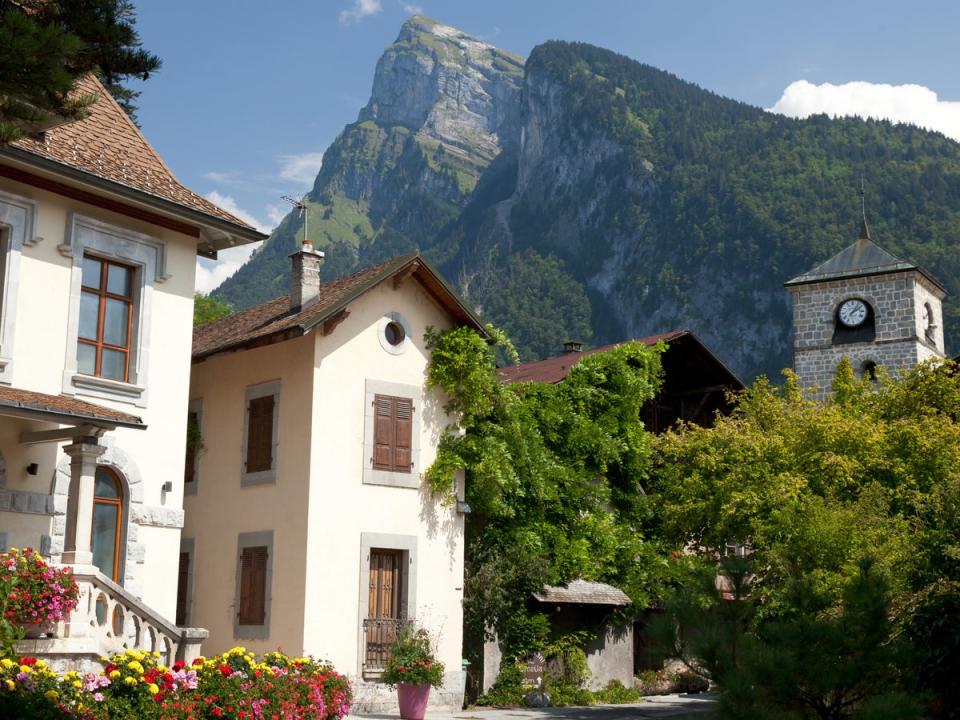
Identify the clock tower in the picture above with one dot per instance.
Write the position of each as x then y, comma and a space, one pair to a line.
869, 306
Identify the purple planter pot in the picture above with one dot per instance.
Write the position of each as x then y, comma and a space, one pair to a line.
413, 700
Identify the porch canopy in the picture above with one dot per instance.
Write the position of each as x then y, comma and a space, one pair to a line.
583, 592
82, 424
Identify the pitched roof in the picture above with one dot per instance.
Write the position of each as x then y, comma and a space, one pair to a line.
583, 592
62, 408
862, 258
554, 369
273, 320
108, 145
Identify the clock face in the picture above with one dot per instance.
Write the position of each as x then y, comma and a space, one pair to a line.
853, 313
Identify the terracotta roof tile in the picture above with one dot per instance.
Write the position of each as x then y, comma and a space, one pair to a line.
554, 369
274, 316
275, 320
109, 145
64, 405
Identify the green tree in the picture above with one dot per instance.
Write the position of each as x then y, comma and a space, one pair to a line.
207, 308
849, 511
45, 45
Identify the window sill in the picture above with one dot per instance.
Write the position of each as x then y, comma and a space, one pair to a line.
264, 477
251, 632
93, 386
390, 478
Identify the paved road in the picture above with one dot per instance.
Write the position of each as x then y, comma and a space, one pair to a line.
674, 707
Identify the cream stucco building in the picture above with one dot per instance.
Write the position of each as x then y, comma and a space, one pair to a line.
98, 247
307, 527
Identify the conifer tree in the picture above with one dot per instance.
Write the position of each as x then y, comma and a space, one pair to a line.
45, 45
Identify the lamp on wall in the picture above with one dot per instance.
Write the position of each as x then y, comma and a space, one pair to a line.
462, 507
167, 486
33, 469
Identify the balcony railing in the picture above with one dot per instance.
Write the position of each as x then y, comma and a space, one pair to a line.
108, 620
378, 634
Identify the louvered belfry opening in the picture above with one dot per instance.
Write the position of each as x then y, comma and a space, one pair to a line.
393, 433
260, 434
385, 607
253, 585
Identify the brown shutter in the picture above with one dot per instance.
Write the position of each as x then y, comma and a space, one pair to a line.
190, 462
253, 585
384, 601
260, 434
383, 432
183, 577
403, 434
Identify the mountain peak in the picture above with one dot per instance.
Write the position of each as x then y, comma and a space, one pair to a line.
447, 86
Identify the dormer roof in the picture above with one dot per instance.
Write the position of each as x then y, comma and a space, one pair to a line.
862, 258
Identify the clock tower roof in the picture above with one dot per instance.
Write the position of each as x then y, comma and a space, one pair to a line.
862, 258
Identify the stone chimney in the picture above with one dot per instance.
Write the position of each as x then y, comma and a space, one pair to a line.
572, 346
305, 278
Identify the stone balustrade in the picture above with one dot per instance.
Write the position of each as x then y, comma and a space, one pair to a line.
108, 620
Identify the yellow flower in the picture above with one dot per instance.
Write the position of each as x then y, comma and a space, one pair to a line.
51, 695
129, 681
11, 685
41, 664
114, 674
135, 666
153, 689
26, 669
77, 684
7, 663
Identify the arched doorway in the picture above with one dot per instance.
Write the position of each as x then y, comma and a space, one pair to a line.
107, 523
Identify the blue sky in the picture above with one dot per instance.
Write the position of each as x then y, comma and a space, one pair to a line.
251, 93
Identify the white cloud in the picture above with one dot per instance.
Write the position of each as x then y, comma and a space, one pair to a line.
413, 9
211, 273
230, 205
913, 104
276, 213
301, 169
360, 9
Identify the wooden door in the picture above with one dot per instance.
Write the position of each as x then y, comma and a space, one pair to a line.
384, 604
183, 579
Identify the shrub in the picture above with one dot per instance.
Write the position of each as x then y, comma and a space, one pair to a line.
134, 686
412, 659
509, 689
654, 682
688, 682
616, 694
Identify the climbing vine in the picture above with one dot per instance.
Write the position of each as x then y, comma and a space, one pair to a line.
554, 478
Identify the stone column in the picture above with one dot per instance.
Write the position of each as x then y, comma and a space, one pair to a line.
84, 453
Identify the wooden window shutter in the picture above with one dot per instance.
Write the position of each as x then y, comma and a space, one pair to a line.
392, 433
253, 585
190, 462
383, 432
403, 434
183, 577
260, 434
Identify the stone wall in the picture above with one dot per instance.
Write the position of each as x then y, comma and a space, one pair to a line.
376, 698
897, 301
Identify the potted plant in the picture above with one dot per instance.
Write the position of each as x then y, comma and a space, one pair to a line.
34, 596
413, 669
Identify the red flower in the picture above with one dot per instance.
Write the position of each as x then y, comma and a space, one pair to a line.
28, 661
226, 670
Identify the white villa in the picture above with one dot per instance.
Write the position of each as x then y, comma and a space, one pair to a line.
98, 247
307, 527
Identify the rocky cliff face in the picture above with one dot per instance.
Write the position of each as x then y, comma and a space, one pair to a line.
585, 196
443, 106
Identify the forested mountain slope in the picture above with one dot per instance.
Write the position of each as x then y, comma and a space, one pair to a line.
617, 200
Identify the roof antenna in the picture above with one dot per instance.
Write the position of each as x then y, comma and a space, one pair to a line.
864, 229
301, 205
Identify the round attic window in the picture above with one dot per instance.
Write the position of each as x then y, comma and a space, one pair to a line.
394, 333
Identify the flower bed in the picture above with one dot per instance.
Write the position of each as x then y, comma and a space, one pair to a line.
134, 686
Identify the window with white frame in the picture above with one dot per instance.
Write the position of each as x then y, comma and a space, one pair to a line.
114, 274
